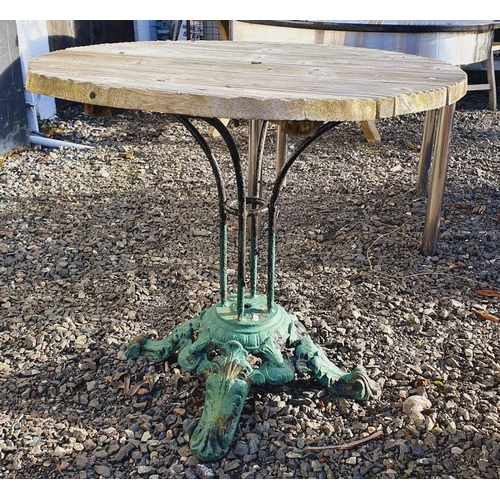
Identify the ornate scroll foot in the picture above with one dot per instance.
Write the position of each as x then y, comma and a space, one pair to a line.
226, 390
159, 350
357, 384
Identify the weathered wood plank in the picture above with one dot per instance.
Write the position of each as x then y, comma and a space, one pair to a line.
248, 80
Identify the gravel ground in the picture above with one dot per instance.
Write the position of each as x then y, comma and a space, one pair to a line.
100, 245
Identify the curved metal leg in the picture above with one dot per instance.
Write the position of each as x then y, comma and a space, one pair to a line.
271, 240
437, 179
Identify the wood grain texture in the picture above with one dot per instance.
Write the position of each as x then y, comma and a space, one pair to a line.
244, 80
370, 131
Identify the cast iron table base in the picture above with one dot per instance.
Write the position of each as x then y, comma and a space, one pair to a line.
244, 339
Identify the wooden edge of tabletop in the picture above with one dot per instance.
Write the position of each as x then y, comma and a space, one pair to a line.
72, 79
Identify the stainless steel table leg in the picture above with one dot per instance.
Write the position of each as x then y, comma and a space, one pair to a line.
257, 133
424, 163
281, 150
437, 179
490, 72
254, 128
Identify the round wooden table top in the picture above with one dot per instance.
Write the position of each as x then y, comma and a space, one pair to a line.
248, 80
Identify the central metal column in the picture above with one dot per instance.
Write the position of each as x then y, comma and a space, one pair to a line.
256, 138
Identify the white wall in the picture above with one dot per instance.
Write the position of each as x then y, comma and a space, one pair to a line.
34, 41
142, 30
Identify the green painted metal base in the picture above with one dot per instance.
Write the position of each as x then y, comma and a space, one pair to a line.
218, 346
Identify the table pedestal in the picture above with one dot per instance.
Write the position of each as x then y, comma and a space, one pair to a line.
246, 339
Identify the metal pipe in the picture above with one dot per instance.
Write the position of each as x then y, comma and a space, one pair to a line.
256, 193
437, 179
254, 187
41, 140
